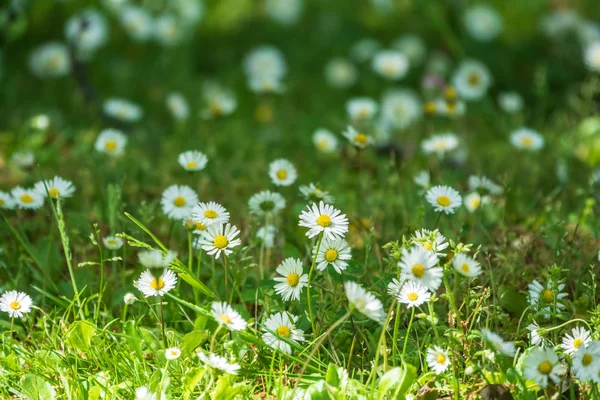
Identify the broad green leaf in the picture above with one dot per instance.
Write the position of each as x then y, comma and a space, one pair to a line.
80, 335
36, 388
332, 377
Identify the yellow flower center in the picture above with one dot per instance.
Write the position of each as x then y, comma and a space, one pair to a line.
179, 201
361, 138
110, 145
2, 202
443, 201
548, 295
412, 296
527, 141
25, 198
587, 359
475, 203
15, 305
450, 93
430, 107
53, 192
281, 174
191, 164
283, 331
157, 283
322, 144
440, 358
324, 220
418, 270
220, 241
577, 342
293, 280
112, 242
545, 367
361, 303
331, 255
465, 268
389, 69
473, 79
200, 226
428, 246
451, 107
225, 318
210, 214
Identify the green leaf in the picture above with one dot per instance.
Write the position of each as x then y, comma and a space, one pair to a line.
80, 335
225, 390
36, 388
407, 378
193, 340
401, 378
332, 377
511, 300
191, 380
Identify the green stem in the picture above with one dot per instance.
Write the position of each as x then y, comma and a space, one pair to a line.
451, 299
380, 344
396, 329
312, 268
412, 316
226, 277
162, 322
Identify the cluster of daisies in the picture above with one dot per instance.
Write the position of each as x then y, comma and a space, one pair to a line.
33, 198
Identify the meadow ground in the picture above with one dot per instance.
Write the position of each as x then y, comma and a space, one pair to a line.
298, 199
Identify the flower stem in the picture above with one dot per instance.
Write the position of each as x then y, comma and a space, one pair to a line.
162, 321
226, 277
412, 316
312, 268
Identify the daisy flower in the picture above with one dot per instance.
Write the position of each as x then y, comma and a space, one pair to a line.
172, 353
413, 46
498, 344
394, 287
422, 179
542, 365
112, 242
23, 159
210, 213
50, 60
586, 362
483, 23
443, 199
177, 201
150, 285
6, 201
178, 106
401, 108
527, 139
267, 235
390, 64
282, 172
284, 12
510, 102
87, 31
122, 110
265, 61
218, 362
440, 144
361, 108
578, 337
420, 265
137, 22
111, 142
358, 139
192, 160
546, 297
472, 80
156, 258
340, 73
220, 102
129, 298
220, 238
365, 302
266, 203
432, 241
484, 185
334, 252
16, 304
57, 187
265, 84
312, 193
473, 201
292, 279
466, 265
325, 141
167, 30
592, 56
534, 334
143, 393
413, 294
224, 314
437, 359
282, 325
324, 218
28, 199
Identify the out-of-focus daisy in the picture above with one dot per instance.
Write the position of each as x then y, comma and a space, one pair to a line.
341, 73
484, 185
312, 193
23, 159
420, 265
542, 365
177, 201
137, 22
390, 64
122, 110
334, 252
151, 285
292, 279
178, 106
167, 30
498, 344
220, 238
144, 393
413, 294
440, 144
527, 139
356, 138
27, 199
129, 298
172, 353
112, 242
545, 298
534, 334
324, 218
361, 108
325, 141
473, 201
224, 314
50, 60
210, 213
285, 12
592, 56
432, 241
365, 302
282, 172
510, 102
413, 46
265, 84
586, 362
401, 108
6, 201
472, 80
219, 102
265, 61
218, 362
57, 187
16, 304
578, 337
86, 31
422, 179
156, 258
111, 142
283, 325
560, 22
483, 22
444, 199
189, 11
266, 203
192, 160
267, 235
466, 265
394, 287
437, 359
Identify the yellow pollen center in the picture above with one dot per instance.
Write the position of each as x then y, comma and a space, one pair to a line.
587, 359
473, 79
443, 201
430, 107
322, 144
112, 242
179, 201
110, 145
281, 174
53, 192
191, 164
210, 214
25, 198
283, 331
577, 343
427, 246
361, 303
527, 141
331, 255
545, 367
2, 202
220, 242
216, 108
412, 296
361, 138
293, 280
418, 270
200, 226
15, 305
324, 220
450, 93
157, 283
225, 318
548, 295
440, 358
465, 268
